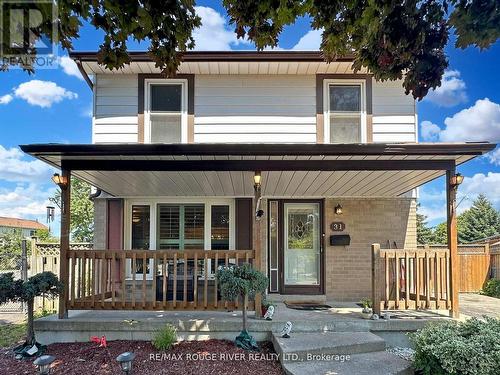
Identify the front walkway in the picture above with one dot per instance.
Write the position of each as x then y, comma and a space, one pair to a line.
477, 305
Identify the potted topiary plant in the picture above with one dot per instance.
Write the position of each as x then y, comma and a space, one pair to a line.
367, 311
45, 283
241, 282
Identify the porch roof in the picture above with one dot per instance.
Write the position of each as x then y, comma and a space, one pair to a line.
288, 170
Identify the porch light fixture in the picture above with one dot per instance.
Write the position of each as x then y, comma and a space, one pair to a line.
257, 181
456, 180
338, 209
43, 362
125, 360
61, 181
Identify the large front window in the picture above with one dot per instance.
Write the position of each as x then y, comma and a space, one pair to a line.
181, 226
169, 225
345, 113
165, 112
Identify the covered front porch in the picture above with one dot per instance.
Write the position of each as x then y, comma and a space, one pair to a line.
121, 276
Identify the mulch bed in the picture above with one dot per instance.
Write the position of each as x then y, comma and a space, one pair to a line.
195, 357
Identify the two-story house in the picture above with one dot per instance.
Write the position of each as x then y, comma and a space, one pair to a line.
276, 158
27, 228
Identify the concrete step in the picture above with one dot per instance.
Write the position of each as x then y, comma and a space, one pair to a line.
301, 345
374, 363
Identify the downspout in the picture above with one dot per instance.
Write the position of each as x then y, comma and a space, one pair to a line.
84, 73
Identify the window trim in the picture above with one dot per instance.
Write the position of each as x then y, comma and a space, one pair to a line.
326, 105
153, 212
184, 106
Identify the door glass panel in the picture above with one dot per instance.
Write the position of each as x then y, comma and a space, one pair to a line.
140, 233
220, 228
302, 250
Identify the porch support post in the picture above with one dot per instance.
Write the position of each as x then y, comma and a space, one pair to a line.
257, 247
451, 226
64, 244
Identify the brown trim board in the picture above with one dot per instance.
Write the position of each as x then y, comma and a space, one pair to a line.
140, 102
320, 124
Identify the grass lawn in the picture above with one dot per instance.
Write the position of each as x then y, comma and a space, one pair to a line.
11, 334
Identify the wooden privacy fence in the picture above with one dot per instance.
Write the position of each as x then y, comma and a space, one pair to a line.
149, 279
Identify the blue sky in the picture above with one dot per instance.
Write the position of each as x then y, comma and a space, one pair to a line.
54, 106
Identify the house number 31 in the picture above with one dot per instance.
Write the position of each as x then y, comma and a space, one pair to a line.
337, 226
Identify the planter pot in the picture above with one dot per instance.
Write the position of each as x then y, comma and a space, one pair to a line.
366, 314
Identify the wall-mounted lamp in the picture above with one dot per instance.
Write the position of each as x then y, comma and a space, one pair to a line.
456, 180
61, 181
338, 209
257, 178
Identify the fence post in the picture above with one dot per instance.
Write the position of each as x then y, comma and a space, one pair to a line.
375, 278
24, 259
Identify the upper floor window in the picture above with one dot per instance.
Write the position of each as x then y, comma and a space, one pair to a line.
165, 115
345, 112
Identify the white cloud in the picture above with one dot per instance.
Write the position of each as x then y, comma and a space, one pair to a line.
494, 156
487, 184
25, 201
14, 168
42, 93
451, 92
6, 99
310, 41
69, 67
481, 122
429, 131
214, 34
433, 202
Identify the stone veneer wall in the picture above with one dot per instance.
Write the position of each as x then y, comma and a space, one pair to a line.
380, 220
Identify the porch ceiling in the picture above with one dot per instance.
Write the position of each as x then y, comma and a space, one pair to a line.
288, 170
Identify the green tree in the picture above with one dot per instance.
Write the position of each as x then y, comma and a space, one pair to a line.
241, 282
394, 39
480, 221
82, 210
44, 235
425, 234
45, 283
10, 249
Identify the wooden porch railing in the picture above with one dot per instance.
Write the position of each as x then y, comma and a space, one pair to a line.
410, 279
175, 279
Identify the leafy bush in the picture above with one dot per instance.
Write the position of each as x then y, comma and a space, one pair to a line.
492, 288
164, 338
464, 348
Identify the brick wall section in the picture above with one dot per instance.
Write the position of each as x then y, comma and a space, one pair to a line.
348, 269
100, 223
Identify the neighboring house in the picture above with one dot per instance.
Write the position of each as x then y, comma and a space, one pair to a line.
177, 159
28, 228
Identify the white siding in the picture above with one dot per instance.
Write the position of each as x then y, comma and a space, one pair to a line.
115, 112
249, 108
393, 113
253, 108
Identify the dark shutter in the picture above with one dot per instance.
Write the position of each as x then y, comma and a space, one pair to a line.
244, 224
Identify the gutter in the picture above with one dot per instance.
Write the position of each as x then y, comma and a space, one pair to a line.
84, 73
